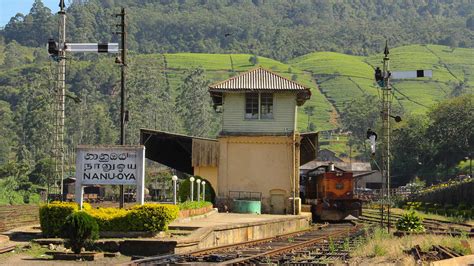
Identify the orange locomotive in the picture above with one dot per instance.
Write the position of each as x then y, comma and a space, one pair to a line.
330, 192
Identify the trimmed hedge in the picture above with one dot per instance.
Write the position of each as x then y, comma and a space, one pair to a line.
53, 216
189, 205
153, 217
111, 219
149, 217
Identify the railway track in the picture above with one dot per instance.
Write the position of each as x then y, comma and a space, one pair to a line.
316, 245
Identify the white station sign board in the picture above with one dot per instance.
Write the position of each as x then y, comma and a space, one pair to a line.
110, 165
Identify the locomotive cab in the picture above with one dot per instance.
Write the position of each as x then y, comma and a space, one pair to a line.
330, 192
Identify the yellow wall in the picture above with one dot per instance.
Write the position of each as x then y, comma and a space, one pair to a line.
209, 173
258, 164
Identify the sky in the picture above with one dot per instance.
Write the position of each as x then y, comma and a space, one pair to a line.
9, 8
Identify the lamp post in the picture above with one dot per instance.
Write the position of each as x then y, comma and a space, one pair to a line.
199, 188
174, 178
192, 187
204, 190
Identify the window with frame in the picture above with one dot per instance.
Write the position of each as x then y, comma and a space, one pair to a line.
266, 106
251, 106
259, 105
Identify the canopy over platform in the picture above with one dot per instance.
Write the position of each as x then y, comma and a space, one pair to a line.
171, 149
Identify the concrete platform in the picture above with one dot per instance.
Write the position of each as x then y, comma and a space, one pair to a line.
216, 230
206, 231
229, 228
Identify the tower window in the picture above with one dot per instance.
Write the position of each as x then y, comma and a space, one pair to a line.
259, 106
251, 105
266, 105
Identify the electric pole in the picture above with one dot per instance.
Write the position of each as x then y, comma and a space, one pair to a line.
123, 66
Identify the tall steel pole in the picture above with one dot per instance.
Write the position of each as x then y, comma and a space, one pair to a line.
386, 106
123, 116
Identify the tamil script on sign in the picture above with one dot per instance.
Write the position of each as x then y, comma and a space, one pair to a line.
107, 167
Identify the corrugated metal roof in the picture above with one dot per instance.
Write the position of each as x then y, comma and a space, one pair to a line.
257, 79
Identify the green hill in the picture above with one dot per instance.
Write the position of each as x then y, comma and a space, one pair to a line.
343, 77
223, 66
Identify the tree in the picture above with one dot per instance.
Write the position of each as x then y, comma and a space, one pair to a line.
7, 133
253, 60
194, 104
80, 229
450, 132
309, 111
470, 23
13, 56
359, 115
43, 171
410, 149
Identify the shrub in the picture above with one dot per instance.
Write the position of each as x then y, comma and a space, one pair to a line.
53, 216
148, 217
188, 205
410, 222
80, 229
185, 188
111, 219
152, 217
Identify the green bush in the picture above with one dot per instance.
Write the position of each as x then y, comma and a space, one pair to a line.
189, 205
111, 219
185, 190
451, 212
80, 229
53, 216
152, 217
410, 222
148, 217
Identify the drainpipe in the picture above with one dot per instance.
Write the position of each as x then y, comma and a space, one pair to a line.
294, 172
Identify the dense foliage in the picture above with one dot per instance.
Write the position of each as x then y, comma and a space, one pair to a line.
432, 146
168, 91
277, 29
80, 229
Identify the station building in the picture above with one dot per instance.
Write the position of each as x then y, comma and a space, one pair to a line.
258, 151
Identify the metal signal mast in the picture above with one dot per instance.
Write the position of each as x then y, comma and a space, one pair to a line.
57, 50
382, 78
386, 108
55, 188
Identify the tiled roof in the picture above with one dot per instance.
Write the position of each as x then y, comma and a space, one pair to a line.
257, 79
